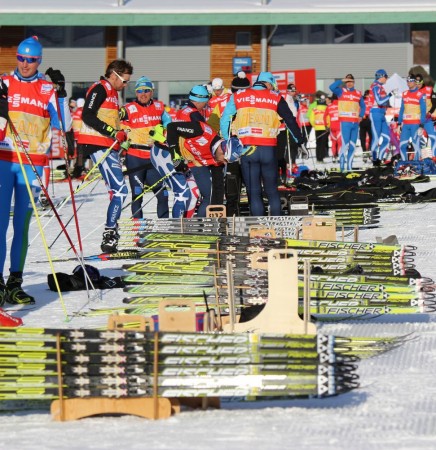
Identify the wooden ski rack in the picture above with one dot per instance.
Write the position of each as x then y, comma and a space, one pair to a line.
280, 315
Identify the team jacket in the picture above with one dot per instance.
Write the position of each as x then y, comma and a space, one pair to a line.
257, 121
331, 116
428, 90
302, 118
141, 119
190, 114
33, 110
413, 108
378, 96
77, 122
316, 117
200, 147
106, 113
349, 105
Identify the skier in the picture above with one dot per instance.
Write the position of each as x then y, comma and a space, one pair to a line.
331, 117
316, 117
365, 134
258, 111
430, 101
379, 126
195, 111
351, 109
29, 102
141, 116
100, 132
203, 149
412, 117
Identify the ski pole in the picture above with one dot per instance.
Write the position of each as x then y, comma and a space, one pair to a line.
74, 213
17, 140
29, 190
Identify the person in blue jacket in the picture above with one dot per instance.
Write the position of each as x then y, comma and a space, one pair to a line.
351, 109
379, 126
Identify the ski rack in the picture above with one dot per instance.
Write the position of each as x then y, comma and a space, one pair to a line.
154, 407
280, 314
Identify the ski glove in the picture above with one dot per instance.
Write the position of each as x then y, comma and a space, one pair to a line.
179, 164
58, 80
158, 134
118, 135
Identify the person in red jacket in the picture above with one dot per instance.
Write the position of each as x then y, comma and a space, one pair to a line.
100, 132
30, 109
331, 117
140, 117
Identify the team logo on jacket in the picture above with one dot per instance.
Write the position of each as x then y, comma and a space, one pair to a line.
46, 88
132, 108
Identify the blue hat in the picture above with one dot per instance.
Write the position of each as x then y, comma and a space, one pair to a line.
145, 84
267, 77
30, 47
381, 73
199, 93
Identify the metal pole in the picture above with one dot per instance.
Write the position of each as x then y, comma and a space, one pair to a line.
264, 45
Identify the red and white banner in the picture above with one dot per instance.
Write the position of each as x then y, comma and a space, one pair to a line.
304, 80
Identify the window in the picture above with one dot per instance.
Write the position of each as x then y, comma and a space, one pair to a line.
48, 36
243, 39
317, 34
386, 33
287, 34
189, 36
343, 34
142, 36
88, 37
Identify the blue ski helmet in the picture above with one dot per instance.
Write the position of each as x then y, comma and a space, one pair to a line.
30, 47
199, 93
145, 84
381, 73
267, 77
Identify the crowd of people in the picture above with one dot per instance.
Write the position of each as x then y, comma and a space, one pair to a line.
204, 152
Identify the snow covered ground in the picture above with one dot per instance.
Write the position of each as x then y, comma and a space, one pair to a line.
395, 407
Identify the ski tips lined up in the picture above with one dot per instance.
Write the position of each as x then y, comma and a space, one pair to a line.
123, 364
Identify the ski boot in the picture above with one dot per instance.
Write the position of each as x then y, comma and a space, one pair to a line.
15, 294
110, 240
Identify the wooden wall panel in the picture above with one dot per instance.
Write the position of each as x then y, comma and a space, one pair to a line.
111, 45
223, 49
10, 37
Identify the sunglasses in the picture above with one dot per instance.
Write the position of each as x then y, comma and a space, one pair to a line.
28, 59
411, 80
121, 78
143, 91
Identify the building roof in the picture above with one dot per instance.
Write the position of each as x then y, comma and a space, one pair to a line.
207, 12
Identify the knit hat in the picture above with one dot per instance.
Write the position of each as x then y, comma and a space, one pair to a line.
348, 77
381, 73
145, 84
217, 84
240, 82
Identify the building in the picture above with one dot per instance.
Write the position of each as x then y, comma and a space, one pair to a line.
178, 44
